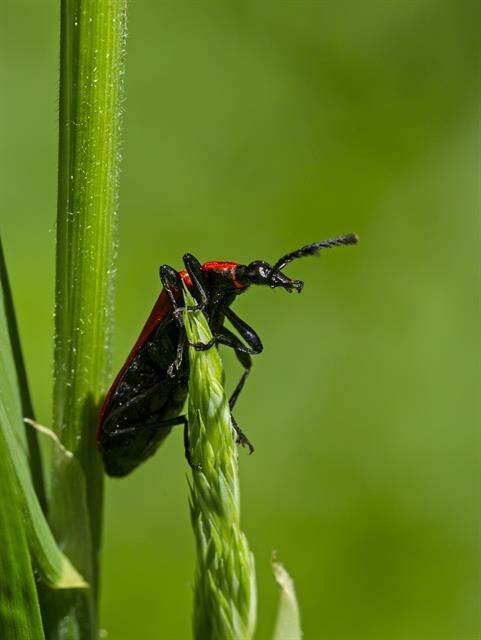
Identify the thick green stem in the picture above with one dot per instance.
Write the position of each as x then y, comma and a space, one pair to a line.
225, 594
92, 50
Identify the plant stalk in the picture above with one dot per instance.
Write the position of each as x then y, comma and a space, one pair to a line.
92, 48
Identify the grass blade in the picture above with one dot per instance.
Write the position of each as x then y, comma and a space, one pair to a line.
288, 623
53, 566
19, 609
35, 461
225, 592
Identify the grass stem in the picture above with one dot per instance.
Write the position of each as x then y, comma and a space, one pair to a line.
92, 47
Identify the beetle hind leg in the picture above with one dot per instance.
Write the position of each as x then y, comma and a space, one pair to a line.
175, 365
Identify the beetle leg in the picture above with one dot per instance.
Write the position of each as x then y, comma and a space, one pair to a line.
194, 269
246, 332
242, 352
187, 449
246, 362
175, 366
173, 286
220, 338
241, 438
228, 339
204, 346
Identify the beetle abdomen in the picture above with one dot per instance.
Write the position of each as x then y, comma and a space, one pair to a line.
142, 398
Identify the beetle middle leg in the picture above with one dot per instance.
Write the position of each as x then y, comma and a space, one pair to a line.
228, 339
243, 353
246, 361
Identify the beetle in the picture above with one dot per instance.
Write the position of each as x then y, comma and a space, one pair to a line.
147, 396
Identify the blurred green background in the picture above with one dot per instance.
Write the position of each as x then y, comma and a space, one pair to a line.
252, 128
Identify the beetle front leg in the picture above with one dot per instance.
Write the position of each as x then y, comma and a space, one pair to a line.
173, 286
172, 282
194, 269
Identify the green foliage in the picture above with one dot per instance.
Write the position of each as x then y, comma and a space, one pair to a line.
24, 532
288, 623
53, 566
22, 380
225, 592
19, 608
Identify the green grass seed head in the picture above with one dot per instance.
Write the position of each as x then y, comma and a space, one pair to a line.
224, 591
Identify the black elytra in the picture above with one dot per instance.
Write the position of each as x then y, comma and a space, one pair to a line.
147, 396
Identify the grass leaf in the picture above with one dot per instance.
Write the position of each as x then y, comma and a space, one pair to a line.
35, 460
19, 609
52, 564
288, 623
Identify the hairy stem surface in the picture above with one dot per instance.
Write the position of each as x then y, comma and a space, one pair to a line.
92, 50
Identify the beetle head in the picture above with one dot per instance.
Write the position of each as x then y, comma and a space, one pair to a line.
260, 272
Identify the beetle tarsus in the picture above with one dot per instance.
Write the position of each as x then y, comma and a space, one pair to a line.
195, 467
203, 346
244, 442
241, 438
179, 311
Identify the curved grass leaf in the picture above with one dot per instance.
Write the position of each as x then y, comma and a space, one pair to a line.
35, 460
288, 623
19, 609
53, 566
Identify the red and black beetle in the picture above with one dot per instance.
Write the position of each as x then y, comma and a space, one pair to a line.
147, 396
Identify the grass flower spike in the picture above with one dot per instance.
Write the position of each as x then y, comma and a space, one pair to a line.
225, 591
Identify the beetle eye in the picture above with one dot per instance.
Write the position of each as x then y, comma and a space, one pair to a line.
257, 272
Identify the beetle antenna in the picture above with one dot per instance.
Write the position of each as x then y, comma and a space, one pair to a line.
314, 249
